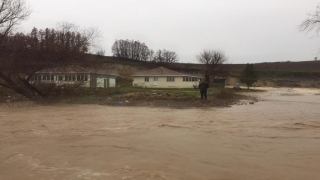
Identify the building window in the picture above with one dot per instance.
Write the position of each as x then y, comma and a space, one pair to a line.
170, 79
82, 77
38, 77
191, 79
68, 77
146, 79
60, 78
45, 77
42, 77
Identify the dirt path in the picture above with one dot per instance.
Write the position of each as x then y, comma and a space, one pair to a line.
276, 138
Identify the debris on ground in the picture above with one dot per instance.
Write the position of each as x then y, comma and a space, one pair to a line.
169, 100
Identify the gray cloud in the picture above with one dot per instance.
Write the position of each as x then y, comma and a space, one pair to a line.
247, 30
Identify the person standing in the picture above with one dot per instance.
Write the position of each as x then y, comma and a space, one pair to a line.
203, 86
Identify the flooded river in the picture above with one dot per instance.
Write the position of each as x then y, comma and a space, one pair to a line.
277, 138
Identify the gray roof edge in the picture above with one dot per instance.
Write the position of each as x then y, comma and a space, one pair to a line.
76, 73
182, 75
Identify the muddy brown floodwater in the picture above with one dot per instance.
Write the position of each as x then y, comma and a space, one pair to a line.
277, 138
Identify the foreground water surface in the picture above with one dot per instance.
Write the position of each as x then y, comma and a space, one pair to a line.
275, 138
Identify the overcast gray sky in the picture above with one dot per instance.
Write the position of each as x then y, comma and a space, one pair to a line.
248, 31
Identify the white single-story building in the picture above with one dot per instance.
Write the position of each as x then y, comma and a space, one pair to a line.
87, 77
165, 78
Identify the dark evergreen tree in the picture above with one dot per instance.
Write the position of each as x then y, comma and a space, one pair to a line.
249, 76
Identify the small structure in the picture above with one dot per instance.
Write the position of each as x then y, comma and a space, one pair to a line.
165, 78
236, 86
87, 77
219, 82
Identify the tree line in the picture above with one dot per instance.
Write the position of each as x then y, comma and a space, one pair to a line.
131, 49
136, 50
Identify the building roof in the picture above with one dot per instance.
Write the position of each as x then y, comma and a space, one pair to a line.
161, 71
78, 69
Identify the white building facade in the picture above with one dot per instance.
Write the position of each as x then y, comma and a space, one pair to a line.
165, 78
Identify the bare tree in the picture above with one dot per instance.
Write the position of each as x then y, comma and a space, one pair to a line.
121, 48
12, 12
92, 34
131, 49
170, 56
139, 51
145, 53
151, 55
312, 23
212, 59
158, 56
165, 56
67, 26
100, 52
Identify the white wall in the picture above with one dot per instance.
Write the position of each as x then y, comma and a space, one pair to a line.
100, 82
163, 83
112, 82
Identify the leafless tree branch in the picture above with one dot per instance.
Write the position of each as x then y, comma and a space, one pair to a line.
131, 49
312, 23
12, 12
25, 54
212, 59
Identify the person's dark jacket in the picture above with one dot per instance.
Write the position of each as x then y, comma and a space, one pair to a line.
203, 86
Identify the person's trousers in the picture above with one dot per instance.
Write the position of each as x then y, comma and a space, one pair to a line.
203, 93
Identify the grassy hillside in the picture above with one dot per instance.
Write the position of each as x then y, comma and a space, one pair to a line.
272, 66
304, 73
267, 69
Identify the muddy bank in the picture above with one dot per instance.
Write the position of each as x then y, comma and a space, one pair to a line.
275, 138
181, 100
220, 99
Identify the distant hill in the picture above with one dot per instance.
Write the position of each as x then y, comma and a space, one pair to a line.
266, 66
299, 74
282, 66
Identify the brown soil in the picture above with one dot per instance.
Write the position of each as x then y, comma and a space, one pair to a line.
221, 99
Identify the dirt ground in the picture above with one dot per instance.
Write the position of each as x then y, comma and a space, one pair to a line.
172, 100
275, 138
